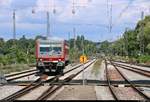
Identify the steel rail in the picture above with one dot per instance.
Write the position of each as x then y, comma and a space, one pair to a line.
136, 71
109, 83
33, 86
18, 77
32, 74
51, 91
132, 85
133, 67
23, 72
141, 65
16, 94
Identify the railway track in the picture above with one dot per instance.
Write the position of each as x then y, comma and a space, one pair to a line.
37, 84
23, 72
51, 90
126, 79
134, 69
141, 65
109, 83
18, 76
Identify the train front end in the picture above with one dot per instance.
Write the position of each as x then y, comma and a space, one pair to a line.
51, 56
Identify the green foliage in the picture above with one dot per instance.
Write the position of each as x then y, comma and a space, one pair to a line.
17, 51
129, 44
80, 46
148, 48
22, 51
144, 59
13, 68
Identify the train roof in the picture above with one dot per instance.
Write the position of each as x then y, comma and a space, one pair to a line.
52, 39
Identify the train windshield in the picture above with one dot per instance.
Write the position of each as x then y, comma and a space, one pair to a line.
50, 50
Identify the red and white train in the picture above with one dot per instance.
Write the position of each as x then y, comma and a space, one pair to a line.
52, 55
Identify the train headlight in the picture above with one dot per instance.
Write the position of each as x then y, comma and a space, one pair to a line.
60, 63
40, 63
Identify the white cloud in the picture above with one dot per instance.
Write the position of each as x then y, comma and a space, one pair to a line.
93, 12
5, 2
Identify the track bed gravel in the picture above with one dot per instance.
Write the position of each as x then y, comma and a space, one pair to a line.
8, 90
33, 95
114, 74
77, 93
127, 93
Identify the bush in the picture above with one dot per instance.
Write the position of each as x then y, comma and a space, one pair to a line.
133, 60
144, 59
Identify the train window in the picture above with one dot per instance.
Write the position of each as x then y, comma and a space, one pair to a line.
44, 50
57, 50
50, 50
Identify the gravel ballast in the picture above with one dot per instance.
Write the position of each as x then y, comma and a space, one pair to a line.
114, 74
8, 90
77, 93
127, 93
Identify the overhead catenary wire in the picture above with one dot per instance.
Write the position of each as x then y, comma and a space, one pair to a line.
122, 12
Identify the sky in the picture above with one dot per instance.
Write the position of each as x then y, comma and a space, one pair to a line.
92, 18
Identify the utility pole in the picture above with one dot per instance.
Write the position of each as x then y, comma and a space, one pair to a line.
110, 22
14, 34
74, 6
74, 29
126, 42
142, 35
109, 15
48, 25
83, 73
14, 25
74, 32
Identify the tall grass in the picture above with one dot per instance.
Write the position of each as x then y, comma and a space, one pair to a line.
96, 67
13, 68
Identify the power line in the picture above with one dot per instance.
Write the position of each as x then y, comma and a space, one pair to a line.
85, 24
123, 11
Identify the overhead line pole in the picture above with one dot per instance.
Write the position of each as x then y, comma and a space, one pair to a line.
110, 26
126, 42
74, 32
14, 25
14, 34
48, 25
83, 73
142, 35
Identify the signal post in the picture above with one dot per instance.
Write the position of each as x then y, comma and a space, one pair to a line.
83, 59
